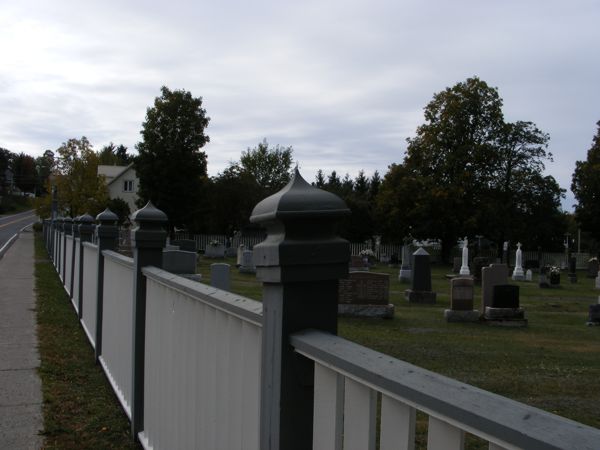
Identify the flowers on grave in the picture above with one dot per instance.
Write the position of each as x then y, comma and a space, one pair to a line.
554, 274
593, 259
553, 270
367, 255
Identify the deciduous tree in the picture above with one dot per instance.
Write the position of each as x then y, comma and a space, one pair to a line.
80, 189
586, 187
467, 171
170, 164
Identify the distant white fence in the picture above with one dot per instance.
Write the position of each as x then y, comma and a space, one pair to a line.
208, 371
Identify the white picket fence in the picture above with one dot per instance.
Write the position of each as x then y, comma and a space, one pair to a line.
202, 366
202, 374
89, 291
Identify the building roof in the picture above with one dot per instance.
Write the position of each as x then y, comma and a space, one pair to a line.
112, 173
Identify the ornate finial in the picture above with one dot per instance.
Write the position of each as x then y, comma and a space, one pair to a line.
107, 217
149, 213
299, 199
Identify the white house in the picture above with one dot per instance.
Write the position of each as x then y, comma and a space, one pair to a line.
122, 182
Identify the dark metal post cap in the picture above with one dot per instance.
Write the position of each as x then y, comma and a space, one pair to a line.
301, 243
107, 217
299, 199
68, 224
149, 214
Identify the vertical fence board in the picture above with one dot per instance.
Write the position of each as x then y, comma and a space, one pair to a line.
443, 436
90, 281
328, 409
359, 416
397, 425
75, 296
251, 356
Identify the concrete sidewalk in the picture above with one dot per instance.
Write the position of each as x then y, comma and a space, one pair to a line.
20, 386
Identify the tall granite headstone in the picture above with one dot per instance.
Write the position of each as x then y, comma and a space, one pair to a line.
491, 276
420, 291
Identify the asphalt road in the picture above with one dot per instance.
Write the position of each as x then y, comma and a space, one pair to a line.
10, 225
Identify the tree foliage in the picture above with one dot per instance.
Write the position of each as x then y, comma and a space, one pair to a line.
112, 155
468, 172
170, 165
80, 189
261, 171
358, 194
586, 187
271, 168
44, 166
24, 172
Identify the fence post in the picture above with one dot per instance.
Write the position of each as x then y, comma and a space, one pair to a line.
68, 229
58, 243
148, 239
107, 234
75, 232
85, 229
299, 264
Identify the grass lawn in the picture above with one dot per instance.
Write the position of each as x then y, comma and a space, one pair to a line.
553, 364
80, 410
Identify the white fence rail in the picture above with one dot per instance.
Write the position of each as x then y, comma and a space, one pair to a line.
202, 374
349, 378
117, 334
89, 294
75, 276
202, 366
68, 263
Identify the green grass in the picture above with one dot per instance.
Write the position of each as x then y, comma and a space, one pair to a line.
80, 410
552, 364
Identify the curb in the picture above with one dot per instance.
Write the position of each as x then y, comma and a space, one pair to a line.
11, 241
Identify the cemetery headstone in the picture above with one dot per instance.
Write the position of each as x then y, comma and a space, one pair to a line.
572, 269
420, 291
189, 245
461, 301
554, 275
456, 263
365, 294
240, 255
357, 263
479, 262
464, 268
505, 296
505, 309
220, 276
248, 262
214, 250
518, 274
405, 274
490, 277
179, 261
592, 268
529, 275
594, 314
543, 281
598, 281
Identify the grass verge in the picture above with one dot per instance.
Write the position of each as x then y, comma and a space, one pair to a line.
80, 410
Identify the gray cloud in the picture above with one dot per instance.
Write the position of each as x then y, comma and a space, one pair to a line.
344, 83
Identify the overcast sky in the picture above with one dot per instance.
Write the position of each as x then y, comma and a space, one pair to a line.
343, 82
